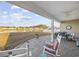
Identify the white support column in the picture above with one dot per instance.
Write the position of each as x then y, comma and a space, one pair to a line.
52, 29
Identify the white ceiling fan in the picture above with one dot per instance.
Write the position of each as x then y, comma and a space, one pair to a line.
69, 12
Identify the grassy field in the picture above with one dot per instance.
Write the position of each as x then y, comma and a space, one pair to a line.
9, 40
10, 37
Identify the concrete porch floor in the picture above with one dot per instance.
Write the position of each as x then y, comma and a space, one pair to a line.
67, 48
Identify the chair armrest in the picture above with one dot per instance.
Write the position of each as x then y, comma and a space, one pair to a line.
49, 43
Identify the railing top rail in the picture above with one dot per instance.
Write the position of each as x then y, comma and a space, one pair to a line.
13, 50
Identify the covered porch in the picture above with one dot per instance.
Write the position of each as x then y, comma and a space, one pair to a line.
66, 14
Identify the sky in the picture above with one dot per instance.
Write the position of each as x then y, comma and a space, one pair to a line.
12, 15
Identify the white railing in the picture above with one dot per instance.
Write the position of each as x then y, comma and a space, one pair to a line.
21, 55
15, 52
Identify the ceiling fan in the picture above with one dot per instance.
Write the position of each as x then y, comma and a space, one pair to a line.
69, 12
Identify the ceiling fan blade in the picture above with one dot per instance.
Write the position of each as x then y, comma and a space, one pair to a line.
70, 11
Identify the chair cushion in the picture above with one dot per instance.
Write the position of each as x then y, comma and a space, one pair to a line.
49, 46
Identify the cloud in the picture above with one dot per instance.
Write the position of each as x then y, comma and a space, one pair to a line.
14, 7
20, 16
25, 11
36, 15
5, 12
15, 19
4, 16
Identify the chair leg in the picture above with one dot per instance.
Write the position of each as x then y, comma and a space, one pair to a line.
57, 53
43, 50
30, 53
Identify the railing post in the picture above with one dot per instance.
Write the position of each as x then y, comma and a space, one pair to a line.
28, 46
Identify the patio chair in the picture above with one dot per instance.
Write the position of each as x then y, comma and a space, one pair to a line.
52, 48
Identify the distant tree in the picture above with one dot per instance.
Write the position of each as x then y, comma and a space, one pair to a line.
42, 26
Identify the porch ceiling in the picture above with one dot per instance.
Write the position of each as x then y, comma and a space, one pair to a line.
59, 10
